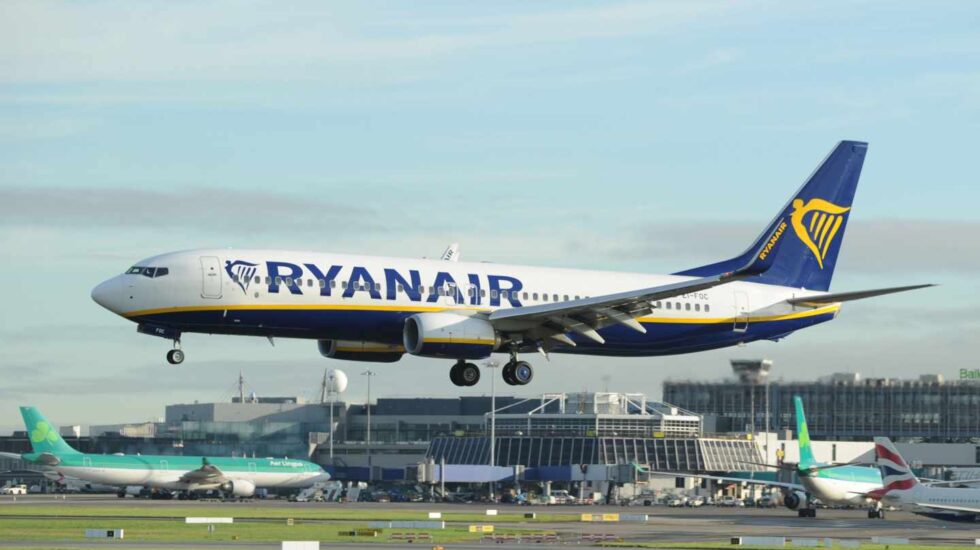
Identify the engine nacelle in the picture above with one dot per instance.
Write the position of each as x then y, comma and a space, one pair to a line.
794, 500
238, 488
350, 350
448, 335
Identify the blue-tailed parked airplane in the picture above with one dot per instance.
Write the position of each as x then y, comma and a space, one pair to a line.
368, 308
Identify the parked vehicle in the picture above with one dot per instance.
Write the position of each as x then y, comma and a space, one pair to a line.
14, 490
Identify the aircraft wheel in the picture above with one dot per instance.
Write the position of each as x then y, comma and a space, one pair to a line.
523, 373
454, 375
175, 357
508, 373
469, 374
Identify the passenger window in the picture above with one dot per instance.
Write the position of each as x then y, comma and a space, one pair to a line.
535, 296
289, 281
503, 294
401, 288
697, 307
258, 279
278, 280
656, 305
687, 306
377, 286
471, 292
442, 291
566, 297
525, 295
343, 284
544, 297
493, 293
432, 290
483, 293
576, 297
268, 280
707, 308
668, 305
323, 283
309, 282
677, 305
555, 296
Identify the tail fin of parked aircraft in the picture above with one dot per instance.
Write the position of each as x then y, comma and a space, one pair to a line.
43, 435
811, 225
895, 472
803, 437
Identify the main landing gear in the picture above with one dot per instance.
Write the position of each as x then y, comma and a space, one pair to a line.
518, 373
876, 513
464, 374
515, 373
176, 355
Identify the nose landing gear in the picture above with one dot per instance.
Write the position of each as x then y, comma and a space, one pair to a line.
176, 355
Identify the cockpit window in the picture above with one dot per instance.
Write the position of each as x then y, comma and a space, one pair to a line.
151, 272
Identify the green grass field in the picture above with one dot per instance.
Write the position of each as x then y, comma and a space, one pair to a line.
70, 529
728, 546
326, 513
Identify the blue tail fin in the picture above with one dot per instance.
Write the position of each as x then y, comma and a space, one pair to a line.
811, 224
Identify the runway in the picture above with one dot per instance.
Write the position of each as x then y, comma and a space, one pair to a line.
664, 525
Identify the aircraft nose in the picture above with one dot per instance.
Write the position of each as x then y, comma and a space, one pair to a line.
104, 293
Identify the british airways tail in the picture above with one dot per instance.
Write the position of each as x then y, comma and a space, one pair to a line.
895, 472
811, 226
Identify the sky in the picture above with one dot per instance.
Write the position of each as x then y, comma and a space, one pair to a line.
634, 136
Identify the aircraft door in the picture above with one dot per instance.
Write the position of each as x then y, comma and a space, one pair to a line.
741, 312
211, 274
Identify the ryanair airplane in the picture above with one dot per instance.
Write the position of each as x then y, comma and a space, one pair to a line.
376, 309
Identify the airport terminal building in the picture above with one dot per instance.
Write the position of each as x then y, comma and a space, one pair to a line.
840, 407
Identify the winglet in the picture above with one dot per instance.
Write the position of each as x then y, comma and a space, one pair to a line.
765, 255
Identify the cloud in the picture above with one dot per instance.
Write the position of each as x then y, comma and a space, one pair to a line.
224, 209
874, 246
174, 41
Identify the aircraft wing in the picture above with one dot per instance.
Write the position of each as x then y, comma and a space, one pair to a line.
768, 483
206, 474
587, 315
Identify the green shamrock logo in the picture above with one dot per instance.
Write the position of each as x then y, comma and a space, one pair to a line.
43, 431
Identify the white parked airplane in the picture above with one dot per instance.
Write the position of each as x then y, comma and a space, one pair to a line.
367, 308
901, 487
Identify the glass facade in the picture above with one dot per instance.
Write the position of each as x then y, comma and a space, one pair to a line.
855, 410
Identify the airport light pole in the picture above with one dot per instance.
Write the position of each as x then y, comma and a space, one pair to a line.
369, 373
492, 366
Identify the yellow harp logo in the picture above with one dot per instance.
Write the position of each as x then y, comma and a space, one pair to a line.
816, 224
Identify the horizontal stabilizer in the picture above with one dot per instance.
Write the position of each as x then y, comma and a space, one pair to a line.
849, 296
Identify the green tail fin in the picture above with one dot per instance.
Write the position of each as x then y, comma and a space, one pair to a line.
803, 435
44, 436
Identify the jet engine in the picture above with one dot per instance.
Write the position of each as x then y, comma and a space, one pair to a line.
238, 488
448, 335
794, 500
350, 350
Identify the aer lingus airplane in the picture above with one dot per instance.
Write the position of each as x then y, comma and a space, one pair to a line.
238, 477
847, 484
367, 308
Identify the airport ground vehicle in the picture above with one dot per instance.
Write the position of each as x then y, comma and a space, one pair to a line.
14, 490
